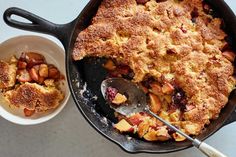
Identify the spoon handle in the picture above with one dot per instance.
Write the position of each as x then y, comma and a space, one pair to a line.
210, 151
202, 146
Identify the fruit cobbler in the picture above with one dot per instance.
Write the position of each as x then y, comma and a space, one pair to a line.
176, 50
30, 83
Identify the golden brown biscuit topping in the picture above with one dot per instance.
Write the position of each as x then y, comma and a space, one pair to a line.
175, 42
7, 74
34, 97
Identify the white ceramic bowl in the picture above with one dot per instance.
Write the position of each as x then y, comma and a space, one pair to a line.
53, 54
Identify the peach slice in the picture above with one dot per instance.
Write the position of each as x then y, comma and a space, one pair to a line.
178, 137
123, 126
175, 116
21, 65
23, 76
143, 128
43, 70
164, 115
151, 135
28, 113
229, 55
155, 88
41, 80
109, 65
162, 134
135, 119
167, 88
157, 135
190, 107
53, 72
155, 103
119, 99
33, 74
33, 58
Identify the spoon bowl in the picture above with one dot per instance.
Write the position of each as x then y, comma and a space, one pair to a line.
136, 98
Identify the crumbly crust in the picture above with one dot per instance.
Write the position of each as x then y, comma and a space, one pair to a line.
34, 97
162, 39
7, 74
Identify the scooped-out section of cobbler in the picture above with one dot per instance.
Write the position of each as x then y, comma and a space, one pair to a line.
176, 50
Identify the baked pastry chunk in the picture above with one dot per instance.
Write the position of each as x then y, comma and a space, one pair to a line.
7, 74
179, 46
33, 96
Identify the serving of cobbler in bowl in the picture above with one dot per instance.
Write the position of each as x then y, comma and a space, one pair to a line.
176, 50
33, 86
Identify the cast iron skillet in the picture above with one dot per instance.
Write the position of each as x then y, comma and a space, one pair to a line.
90, 71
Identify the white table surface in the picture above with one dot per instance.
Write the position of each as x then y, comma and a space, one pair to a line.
68, 134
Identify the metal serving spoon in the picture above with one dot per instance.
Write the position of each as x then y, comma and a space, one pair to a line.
137, 103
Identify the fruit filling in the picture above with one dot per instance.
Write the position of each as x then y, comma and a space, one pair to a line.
114, 97
165, 99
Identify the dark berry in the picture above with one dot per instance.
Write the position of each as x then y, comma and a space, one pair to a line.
129, 76
179, 99
111, 93
171, 131
194, 20
123, 69
170, 51
194, 15
184, 30
147, 82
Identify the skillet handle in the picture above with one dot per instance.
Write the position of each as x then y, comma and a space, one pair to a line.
38, 24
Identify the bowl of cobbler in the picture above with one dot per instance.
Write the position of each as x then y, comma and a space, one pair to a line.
32, 80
